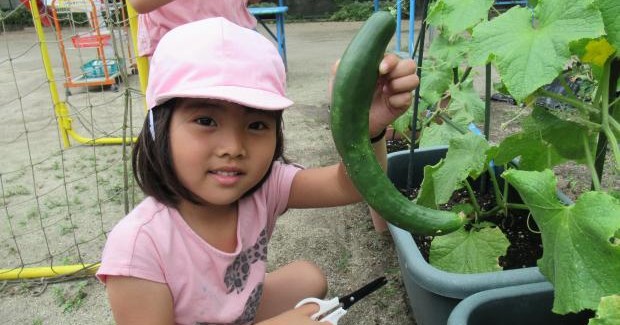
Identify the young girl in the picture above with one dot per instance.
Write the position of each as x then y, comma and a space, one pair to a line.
157, 17
210, 160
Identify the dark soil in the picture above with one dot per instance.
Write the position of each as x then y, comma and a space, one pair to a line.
520, 230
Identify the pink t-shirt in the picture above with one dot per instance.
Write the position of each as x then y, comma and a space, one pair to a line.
153, 25
208, 286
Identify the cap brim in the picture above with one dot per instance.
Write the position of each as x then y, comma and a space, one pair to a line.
249, 97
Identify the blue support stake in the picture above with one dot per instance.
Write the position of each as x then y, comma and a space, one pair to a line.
399, 7
411, 26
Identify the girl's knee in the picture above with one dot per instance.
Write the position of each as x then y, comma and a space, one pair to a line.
314, 277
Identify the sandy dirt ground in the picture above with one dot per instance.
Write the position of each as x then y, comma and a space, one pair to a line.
342, 241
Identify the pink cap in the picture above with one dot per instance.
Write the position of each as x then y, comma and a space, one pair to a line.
214, 58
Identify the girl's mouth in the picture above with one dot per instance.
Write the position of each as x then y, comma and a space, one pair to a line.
225, 173
225, 177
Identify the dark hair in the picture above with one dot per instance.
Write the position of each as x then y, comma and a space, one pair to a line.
152, 160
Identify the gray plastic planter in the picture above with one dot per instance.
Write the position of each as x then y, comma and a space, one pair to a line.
434, 293
517, 305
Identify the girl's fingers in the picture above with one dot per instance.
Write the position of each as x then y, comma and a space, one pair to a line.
308, 309
388, 64
398, 68
401, 100
403, 84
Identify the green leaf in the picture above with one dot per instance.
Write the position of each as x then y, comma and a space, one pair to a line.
529, 55
533, 152
579, 257
565, 136
436, 79
608, 312
455, 16
426, 196
610, 10
473, 251
439, 134
546, 140
466, 99
466, 158
452, 52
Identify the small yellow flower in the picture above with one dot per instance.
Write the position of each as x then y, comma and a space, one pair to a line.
597, 52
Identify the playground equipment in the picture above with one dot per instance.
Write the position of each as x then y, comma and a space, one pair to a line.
277, 11
105, 69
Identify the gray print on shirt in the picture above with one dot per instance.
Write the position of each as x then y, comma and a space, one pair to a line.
238, 272
249, 312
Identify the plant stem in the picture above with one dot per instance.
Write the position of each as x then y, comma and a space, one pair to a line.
596, 183
487, 101
491, 212
455, 75
613, 144
517, 206
447, 119
583, 107
592, 126
499, 199
607, 92
614, 124
465, 74
472, 197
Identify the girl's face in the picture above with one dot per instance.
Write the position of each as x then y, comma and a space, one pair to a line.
219, 149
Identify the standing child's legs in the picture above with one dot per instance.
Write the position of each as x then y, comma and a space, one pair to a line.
288, 285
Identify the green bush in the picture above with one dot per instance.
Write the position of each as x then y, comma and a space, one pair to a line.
263, 4
350, 10
353, 11
18, 17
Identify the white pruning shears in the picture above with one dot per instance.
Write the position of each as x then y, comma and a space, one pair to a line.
331, 310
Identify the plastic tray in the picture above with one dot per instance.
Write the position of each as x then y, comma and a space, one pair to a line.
94, 68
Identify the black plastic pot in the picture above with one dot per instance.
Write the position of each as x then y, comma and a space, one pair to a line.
433, 293
524, 304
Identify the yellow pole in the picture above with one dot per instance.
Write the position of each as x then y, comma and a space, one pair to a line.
60, 108
99, 141
141, 62
47, 272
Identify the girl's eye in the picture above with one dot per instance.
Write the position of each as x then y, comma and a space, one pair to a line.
258, 125
206, 121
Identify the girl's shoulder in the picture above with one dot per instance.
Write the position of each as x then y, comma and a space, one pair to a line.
147, 214
281, 174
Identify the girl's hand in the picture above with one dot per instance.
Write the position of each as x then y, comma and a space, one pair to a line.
394, 92
393, 95
297, 316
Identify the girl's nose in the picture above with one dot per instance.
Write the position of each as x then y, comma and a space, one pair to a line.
231, 144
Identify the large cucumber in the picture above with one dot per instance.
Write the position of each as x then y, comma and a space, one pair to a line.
352, 95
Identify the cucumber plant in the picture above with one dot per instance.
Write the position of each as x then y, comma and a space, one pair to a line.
530, 47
